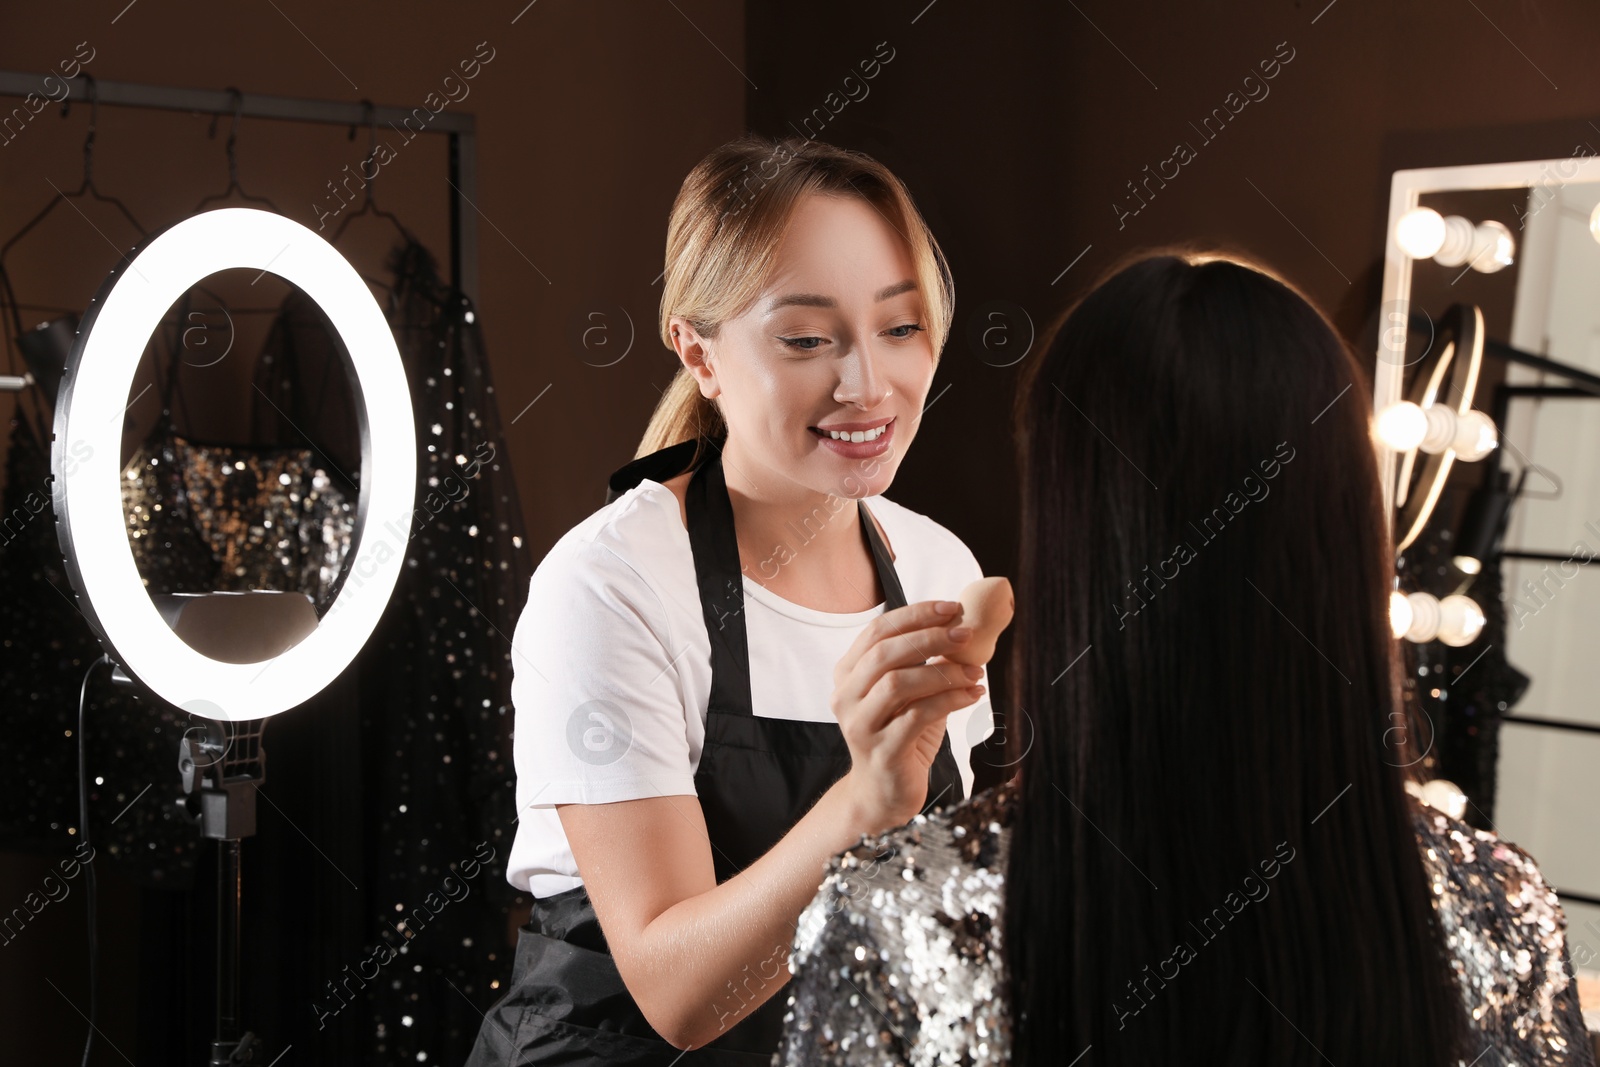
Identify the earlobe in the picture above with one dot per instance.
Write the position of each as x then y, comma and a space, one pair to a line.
708, 385
692, 353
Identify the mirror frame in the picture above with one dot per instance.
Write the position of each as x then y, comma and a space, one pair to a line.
1406, 189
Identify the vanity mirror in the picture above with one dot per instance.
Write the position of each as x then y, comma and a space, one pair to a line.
1487, 408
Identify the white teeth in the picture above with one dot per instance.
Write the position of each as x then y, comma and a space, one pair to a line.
858, 436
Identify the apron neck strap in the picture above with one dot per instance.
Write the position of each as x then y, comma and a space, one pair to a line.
658, 466
893, 595
720, 580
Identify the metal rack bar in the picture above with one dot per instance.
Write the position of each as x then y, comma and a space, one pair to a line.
1543, 557
1583, 381
1553, 724
460, 126
1558, 392
1504, 394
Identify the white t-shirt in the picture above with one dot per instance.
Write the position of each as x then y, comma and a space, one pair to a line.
611, 664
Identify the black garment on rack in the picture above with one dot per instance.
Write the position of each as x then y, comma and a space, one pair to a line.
1484, 690
1458, 697
45, 644
45, 647
438, 784
131, 745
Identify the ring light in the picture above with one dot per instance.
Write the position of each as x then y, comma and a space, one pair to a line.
86, 457
1451, 381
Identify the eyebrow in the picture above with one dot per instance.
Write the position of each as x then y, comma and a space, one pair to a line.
816, 300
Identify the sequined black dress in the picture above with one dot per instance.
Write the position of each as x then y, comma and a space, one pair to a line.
1458, 697
897, 959
436, 799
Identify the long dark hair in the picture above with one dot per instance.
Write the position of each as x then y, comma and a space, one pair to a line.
1214, 858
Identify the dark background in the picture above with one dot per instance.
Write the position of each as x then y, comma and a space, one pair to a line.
1016, 126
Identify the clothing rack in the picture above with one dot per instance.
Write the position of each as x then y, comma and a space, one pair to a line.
228, 792
1581, 385
1585, 386
459, 127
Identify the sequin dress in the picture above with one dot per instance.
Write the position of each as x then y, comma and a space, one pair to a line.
1457, 697
435, 793
897, 959
262, 518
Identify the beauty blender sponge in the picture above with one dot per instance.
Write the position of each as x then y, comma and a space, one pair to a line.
987, 606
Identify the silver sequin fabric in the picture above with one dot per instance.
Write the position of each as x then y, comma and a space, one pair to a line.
1507, 938
897, 959
259, 518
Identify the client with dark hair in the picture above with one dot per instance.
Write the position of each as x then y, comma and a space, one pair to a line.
1209, 853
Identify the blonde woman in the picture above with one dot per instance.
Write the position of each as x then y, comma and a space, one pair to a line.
734, 669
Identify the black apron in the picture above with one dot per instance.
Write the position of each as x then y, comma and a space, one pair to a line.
757, 777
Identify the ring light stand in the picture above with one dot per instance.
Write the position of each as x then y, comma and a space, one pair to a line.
231, 659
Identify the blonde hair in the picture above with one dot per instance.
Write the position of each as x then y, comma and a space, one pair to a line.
722, 238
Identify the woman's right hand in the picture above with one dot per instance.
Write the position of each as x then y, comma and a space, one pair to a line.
891, 703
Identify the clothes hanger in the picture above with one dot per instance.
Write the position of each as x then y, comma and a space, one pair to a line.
369, 206
88, 187
233, 161
233, 187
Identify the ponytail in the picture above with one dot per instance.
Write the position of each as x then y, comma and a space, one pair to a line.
683, 414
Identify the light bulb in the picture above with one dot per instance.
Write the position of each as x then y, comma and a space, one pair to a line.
1594, 223
1437, 428
1492, 247
1460, 239
1456, 620
1441, 431
1402, 425
1460, 620
1399, 613
1420, 232
1475, 437
1424, 617
1468, 564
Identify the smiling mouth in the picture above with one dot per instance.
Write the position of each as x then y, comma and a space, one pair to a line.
854, 436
